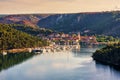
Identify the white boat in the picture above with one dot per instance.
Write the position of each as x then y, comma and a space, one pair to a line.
4, 53
37, 51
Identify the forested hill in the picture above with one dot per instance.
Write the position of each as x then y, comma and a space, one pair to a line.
11, 38
108, 55
30, 30
107, 23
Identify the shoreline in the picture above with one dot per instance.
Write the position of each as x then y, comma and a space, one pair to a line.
47, 48
115, 66
108, 55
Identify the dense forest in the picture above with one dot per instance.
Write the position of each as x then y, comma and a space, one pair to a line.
108, 55
11, 38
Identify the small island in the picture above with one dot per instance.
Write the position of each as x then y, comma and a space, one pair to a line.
108, 55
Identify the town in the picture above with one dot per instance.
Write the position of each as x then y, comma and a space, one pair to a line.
69, 39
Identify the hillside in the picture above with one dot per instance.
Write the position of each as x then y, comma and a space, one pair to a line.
25, 19
107, 23
11, 38
30, 30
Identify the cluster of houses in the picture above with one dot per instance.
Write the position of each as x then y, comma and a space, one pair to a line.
65, 39
69, 39
89, 40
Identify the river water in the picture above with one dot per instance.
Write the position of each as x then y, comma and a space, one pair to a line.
65, 65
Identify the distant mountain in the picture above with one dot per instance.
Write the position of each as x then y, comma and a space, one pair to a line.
107, 23
26, 23
26, 19
2, 16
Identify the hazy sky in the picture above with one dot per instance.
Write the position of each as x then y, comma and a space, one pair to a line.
56, 6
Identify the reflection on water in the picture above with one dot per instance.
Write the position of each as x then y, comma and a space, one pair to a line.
66, 65
106, 70
7, 61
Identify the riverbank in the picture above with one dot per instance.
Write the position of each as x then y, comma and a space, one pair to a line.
16, 50
116, 66
109, 55
54, 48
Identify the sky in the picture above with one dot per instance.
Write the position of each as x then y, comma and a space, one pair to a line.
57, 6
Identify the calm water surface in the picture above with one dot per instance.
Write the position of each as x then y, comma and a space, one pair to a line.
66, 65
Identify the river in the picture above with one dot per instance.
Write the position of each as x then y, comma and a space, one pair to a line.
65, 65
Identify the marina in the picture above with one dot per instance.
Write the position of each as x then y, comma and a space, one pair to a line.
55, 48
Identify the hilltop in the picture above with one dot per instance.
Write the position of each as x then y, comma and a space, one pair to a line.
30, 30
25, 19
